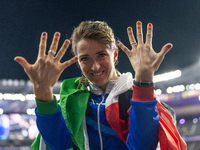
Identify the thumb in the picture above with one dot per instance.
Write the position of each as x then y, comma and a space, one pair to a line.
23, 62
162, 54
165, 49
69, 62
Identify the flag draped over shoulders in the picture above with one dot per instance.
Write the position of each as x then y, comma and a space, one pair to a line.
74, 102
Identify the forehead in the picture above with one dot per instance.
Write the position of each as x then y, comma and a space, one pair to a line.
90, 46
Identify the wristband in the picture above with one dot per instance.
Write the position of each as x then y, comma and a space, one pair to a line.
143, 83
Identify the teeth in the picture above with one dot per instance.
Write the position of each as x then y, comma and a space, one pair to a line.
97, 74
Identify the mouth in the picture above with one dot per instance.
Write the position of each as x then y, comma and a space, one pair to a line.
97, 74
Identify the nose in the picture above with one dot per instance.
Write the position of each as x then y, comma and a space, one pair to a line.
95, 65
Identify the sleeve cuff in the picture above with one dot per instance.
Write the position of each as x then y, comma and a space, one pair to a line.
143, 93
46, 108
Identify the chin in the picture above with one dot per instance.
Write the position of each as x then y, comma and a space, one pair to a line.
100, 83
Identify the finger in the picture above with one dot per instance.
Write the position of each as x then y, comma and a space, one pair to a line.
54, 44
69, 62
139, 32
162, 54
165, 49
124, 48
131, 37
149, 34
62, 50
23, 62
42, 45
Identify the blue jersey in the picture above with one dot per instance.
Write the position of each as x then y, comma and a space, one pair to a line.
98, 132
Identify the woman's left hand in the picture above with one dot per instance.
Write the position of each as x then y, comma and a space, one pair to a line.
144, 60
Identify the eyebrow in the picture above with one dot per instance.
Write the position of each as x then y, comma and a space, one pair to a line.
83, 55
101, 51
96, 53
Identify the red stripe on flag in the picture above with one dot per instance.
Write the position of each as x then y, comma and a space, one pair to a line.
119, 126
169, 136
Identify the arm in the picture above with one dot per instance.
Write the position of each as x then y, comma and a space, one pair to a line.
51, 125
44, 73
144, 122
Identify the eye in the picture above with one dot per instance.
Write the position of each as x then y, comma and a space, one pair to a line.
83, 59
102, 55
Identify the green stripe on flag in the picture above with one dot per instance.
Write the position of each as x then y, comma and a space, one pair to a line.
73, 104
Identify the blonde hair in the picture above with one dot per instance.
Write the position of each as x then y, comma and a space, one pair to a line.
97, 30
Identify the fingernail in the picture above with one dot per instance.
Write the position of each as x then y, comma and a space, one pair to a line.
76, 58
129, 28
17, 60
117, 42
57, 34
169, 46
67, 42
139, 22
149, 24
44, 34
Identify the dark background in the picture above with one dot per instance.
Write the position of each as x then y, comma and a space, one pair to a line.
174, 21
22, 22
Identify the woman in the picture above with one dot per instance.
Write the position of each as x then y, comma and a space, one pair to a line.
92, 114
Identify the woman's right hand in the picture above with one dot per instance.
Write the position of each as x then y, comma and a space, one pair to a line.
45, 72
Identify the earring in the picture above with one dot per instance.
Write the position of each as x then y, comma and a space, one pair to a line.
82, 81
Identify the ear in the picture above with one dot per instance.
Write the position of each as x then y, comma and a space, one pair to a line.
115, 54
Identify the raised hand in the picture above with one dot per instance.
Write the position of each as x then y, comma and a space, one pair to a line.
45, 72
144, 60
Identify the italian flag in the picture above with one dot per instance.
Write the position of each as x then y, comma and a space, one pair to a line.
73, 104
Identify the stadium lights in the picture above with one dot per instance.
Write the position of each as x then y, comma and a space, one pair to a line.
19, 96
30, 111
10, 82
181, 88
195, 120
182, 121
158, 91
167, 76
21, 82
175, 89
1, 111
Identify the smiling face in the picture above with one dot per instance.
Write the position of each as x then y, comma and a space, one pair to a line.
96, 62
